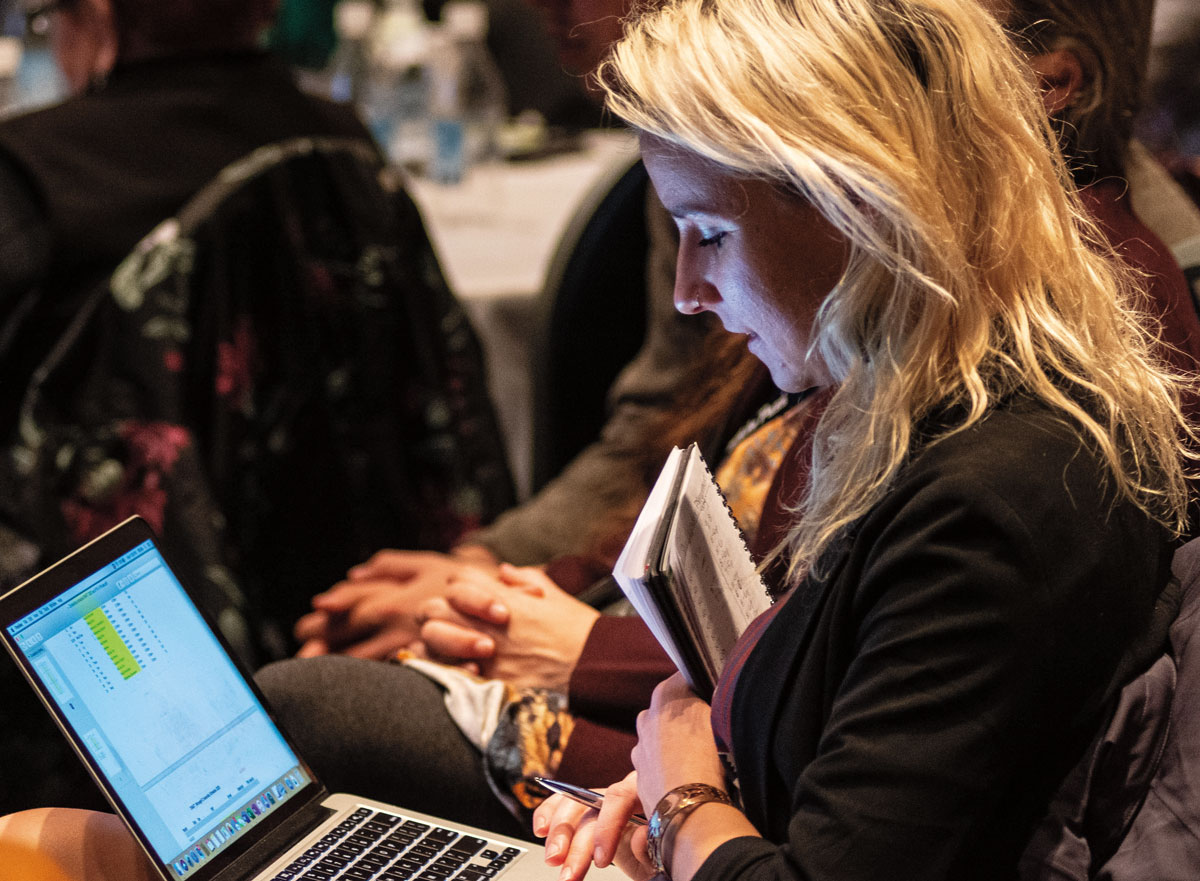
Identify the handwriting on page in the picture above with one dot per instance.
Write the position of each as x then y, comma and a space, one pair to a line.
724, 592
701, 565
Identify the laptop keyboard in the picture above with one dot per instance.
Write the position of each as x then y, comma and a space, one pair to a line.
378, 846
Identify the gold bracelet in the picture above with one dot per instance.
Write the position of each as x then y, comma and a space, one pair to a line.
673, 806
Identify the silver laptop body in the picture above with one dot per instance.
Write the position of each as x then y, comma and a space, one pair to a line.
184, 747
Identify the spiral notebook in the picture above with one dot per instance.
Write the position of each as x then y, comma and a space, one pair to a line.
687, 572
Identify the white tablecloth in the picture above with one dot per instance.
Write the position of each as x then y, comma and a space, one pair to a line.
496, 235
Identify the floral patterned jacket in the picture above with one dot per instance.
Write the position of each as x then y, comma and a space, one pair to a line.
278, 380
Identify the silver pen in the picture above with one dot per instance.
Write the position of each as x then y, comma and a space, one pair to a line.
585, 796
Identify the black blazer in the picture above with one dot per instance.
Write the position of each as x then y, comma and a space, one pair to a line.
909, 716
82, 181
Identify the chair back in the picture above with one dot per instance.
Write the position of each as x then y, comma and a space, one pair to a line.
1163, 840
594, 319
279, 381
1130, 809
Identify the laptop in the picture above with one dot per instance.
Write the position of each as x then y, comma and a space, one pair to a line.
184, 747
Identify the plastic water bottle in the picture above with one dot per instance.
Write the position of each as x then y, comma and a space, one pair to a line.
10, 66
394, 101
467, 100
347, 69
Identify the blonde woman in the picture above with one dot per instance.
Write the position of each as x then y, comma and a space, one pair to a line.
864, 189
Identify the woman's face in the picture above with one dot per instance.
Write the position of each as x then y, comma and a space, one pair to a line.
760, 259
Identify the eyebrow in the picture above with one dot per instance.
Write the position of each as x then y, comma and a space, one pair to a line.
687, 209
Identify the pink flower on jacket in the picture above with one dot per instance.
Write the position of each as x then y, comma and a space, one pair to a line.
235, 366
114, 490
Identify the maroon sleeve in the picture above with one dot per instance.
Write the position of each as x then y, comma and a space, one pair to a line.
620, 665
576, 572
1170, 300
596, 755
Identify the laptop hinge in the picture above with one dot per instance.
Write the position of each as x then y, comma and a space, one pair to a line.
278, 840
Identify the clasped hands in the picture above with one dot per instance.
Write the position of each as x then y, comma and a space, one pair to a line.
501, 621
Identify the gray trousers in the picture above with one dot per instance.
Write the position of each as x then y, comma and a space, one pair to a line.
381, 730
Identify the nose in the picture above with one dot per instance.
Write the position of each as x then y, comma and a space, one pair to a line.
693, 294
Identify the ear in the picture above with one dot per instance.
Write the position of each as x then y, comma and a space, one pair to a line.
86, 45
1062, 76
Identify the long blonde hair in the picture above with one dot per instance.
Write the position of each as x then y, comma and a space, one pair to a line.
913, 126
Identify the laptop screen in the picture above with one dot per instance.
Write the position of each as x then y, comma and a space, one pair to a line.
162, 710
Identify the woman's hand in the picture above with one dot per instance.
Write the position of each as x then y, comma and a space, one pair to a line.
375, 610
536, 643
675, 747
577, 836
675, 743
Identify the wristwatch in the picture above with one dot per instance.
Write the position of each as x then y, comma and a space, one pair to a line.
676, 805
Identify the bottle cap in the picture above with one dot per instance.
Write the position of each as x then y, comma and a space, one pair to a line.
466, 19
352, 18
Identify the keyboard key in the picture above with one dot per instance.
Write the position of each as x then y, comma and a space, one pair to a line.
357, 874
469, 845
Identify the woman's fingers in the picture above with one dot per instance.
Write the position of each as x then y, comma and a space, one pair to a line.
578, 836
558, 819
477, 600
445, 639
612, 823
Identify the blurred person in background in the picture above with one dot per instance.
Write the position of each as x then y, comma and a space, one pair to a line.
164, 94
1170, 130
1092, 61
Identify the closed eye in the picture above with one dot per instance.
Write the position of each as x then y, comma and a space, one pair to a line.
711, 240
